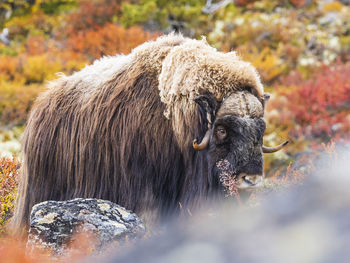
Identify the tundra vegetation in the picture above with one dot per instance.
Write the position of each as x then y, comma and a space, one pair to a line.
300, 48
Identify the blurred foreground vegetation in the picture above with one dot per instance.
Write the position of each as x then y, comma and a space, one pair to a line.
300, 47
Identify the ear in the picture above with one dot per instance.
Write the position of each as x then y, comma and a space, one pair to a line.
208, 105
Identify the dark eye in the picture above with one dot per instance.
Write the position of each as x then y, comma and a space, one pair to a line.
221, 132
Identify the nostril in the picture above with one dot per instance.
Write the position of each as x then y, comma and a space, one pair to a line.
249, 179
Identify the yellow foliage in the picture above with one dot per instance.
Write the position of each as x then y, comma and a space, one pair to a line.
40, 68
22, 77
332, 7
36, 6
16, 100
74, 65
267, 62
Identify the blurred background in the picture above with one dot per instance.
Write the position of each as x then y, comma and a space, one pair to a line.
300, 47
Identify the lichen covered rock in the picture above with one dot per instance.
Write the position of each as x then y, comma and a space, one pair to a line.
54, 224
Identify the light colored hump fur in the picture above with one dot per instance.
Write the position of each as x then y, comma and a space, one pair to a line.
151, 54
193, 68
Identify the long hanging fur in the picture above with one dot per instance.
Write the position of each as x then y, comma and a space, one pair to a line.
121, 129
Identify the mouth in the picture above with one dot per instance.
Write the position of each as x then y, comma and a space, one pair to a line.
233, 181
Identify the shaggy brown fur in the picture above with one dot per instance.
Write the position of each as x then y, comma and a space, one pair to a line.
128, 138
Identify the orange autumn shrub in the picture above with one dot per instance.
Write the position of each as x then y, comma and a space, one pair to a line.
8, 67
14, 251
36, 45
108, 40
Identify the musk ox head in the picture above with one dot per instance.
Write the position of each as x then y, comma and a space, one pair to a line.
231, 102
234, 139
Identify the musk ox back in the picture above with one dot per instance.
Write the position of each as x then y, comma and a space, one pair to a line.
122, 129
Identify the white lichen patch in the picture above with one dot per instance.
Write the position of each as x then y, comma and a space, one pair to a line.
39, 213
104, 207
124, 213
48, 219
118, 225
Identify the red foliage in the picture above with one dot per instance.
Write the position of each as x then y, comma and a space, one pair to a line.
243, 2
320, 105
299, 3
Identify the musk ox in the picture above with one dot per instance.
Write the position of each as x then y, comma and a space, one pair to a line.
122, 129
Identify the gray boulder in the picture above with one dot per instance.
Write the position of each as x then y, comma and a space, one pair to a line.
55, 224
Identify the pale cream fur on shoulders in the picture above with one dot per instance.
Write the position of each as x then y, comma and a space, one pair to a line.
88, 81
185, 69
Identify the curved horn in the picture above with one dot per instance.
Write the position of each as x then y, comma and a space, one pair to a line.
274, 149
204, 143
